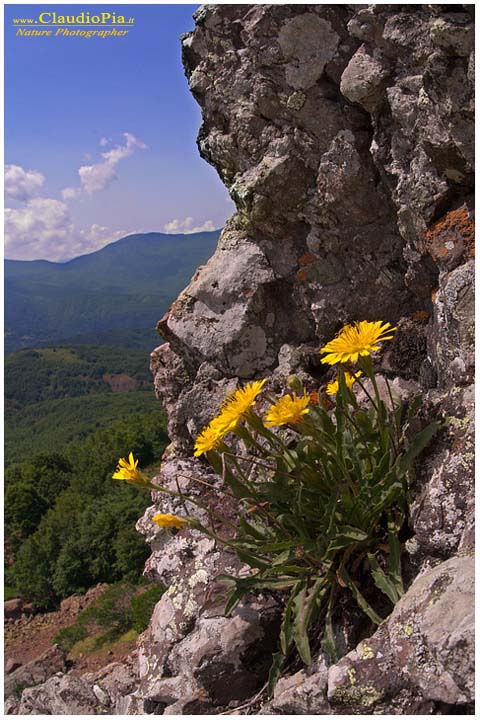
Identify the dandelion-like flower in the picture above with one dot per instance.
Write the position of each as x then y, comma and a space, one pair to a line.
127, 470
289, 410
237, 405
332, 388
234, 408
169, 521
209, 439
361, 338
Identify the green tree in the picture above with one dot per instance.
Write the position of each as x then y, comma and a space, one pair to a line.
131, 551
24, 509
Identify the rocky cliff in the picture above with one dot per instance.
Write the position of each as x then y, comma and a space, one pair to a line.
344, 134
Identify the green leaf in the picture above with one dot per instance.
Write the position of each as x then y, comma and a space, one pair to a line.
382, 468
299, 631
254, 529
275, 672
328, 642
345, 536
418, 444
239, 489
328, 426
252, 560
387, 497
364, 421
289, 570
286, 629
361, 602
281, 558
413, 408
233, 599
330, 511
215, 461
242, 586
381, 580
305, 604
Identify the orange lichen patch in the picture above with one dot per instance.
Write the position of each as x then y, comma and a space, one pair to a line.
327, 404
420, 316
307, 259
301, 275
451, 238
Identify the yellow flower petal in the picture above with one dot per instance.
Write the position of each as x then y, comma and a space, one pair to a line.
332, 388
209, 439
169, 521
289, 410
361, 338
127, 470
234, 408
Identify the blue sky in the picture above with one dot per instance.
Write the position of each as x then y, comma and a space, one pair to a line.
119, 111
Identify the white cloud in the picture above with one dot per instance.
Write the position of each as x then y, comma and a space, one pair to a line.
96, 177
99, 175
97, 236
42, 228
69, 193
21, 184
186, 227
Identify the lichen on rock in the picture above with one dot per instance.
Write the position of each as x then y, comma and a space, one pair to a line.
344, 135
345, 139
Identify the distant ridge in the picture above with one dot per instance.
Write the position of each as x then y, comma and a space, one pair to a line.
113, 296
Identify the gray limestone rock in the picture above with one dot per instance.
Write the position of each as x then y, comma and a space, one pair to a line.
60, 695
344, 134
36, 671
422, 654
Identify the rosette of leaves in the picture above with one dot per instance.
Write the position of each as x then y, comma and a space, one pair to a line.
323, 511
320, 504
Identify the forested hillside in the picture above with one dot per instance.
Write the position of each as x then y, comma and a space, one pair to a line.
70, 413
56, 395
68, 524
113, 296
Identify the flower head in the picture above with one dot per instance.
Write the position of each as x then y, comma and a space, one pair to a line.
238, 404
289, 410
127, 470
234, 408
361, 338
332, 388
169, 521
209, 439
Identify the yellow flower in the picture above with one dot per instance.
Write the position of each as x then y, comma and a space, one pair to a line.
127, 470
234, 408
361, 338
332, 388
169, 521
288, 410
237, 405
209, 439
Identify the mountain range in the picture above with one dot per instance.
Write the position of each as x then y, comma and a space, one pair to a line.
113, 296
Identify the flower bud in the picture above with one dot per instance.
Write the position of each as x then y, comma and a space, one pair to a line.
294, 382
